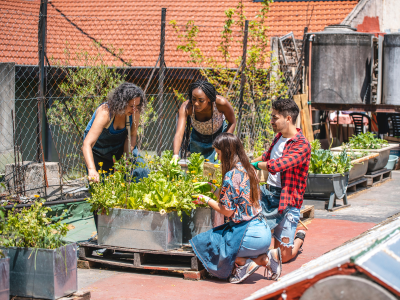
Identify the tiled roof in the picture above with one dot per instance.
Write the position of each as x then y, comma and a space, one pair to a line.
134, 26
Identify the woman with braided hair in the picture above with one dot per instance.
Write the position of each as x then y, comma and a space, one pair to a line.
209, 114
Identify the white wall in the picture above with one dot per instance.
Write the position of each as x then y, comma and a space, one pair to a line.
388, 12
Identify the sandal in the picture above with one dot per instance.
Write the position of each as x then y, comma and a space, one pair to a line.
274, 267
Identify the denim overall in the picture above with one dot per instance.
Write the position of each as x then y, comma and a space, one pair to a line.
200, 143
111, 143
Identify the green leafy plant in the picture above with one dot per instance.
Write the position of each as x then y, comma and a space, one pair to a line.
264, 81
167, 188
366, 141
327, 162
31, 228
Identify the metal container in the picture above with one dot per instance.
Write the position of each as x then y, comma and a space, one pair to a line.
200, 220
324, 185
391, 69
43, 273
140, 229
340, 65
5, 278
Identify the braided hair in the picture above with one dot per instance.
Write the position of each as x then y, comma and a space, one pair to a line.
211, 93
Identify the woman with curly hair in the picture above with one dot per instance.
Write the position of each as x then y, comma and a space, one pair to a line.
208, 113
106, 134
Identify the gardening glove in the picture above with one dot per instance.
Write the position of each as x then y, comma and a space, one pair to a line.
216, 157
214, 189
255, 165
174, 160
200, 199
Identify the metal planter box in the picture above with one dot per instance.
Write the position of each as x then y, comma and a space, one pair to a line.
140, 229
200, 220
43, 273
4, 279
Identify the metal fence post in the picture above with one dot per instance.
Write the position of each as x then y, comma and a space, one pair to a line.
243, 76
42, 78
161, 79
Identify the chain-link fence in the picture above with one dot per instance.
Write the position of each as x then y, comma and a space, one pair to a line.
56, 70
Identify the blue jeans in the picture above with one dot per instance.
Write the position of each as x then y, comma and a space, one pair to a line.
257, 239
285, 224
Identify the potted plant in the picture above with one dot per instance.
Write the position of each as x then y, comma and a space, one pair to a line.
367, 142
42, 264
147, 214
4, 276
328, 174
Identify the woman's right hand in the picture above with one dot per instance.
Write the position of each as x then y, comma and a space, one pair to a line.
93, 175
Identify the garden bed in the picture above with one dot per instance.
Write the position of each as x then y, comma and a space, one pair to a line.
140, 229
4, 278
43, 273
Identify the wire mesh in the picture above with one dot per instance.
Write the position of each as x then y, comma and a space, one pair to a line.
84, 58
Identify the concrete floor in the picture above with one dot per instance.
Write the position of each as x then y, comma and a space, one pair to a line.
329, 230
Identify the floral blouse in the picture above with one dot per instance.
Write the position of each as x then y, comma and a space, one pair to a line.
235, 195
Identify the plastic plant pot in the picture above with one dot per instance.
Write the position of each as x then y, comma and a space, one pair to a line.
392, 162
5, 278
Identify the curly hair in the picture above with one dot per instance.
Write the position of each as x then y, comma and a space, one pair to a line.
119, 97
287, 107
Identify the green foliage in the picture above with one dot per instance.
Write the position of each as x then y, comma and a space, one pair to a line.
264, 82
31, 228
366, 141
85, 88
167, 188
328, 162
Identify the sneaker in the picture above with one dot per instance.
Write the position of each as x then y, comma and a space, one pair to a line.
242, 272
274, 266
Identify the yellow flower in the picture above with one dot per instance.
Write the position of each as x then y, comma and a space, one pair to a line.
206, 160
104, 171
111, 175
214, 181
37, 196
173, 180
150, 162
218, 185
216, 166
194, 180
193, 172
110, 169
122, 184
40, 204
209, 174
101, 164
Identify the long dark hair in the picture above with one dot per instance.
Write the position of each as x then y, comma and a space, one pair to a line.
211, 93
233, 152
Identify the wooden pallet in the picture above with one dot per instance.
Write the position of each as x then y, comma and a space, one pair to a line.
357, 185
308, 214
378, 177
80, 295
182, 260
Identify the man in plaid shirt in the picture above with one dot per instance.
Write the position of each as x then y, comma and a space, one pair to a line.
287, 161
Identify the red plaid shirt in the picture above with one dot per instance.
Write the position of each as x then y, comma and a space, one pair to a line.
293, 166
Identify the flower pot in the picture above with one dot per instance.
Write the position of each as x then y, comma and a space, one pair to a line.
43, 273
200, 220
378, 162
140, 229
5, 278
332, 186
